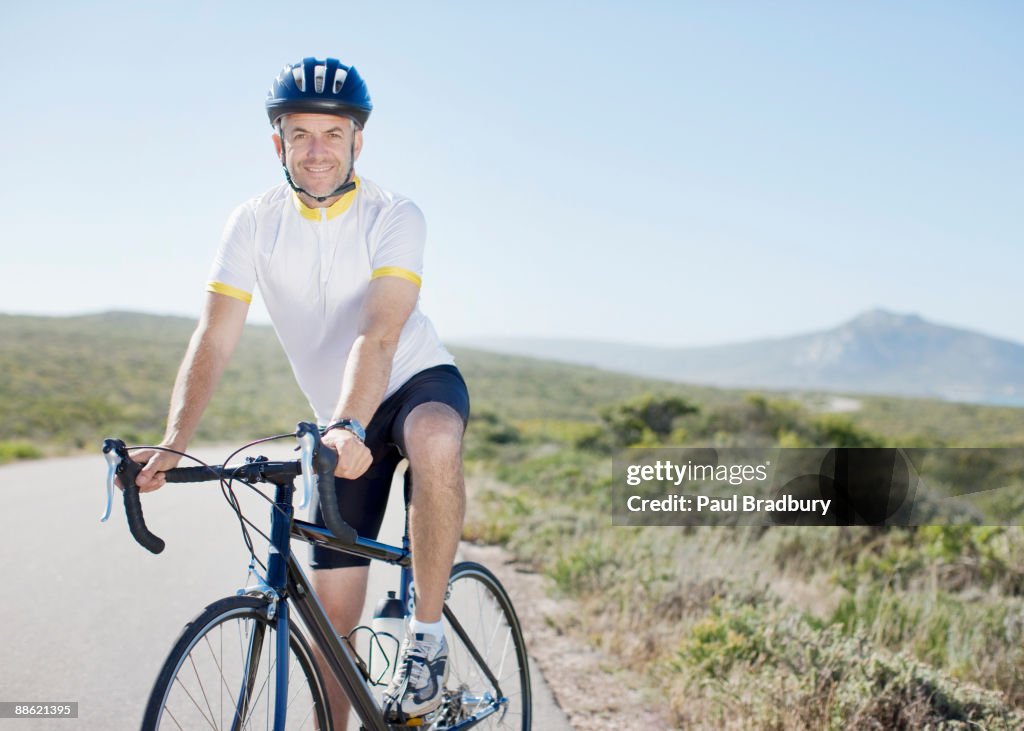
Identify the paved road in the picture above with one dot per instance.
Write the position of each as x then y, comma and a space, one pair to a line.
87, 615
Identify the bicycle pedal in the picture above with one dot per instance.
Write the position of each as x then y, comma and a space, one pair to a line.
424, 720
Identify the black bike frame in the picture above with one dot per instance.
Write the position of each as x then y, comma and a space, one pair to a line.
286, 578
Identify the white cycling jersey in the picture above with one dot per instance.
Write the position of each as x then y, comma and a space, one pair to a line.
313, 267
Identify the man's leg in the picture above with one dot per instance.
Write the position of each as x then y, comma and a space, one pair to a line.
433, 443
342, 593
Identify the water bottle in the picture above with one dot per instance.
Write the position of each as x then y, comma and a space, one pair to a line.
389, 627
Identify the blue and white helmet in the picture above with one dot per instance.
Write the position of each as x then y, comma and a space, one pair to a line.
313, 86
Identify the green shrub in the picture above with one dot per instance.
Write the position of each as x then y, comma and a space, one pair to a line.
739, 658
12, 450
832, 430
647, 420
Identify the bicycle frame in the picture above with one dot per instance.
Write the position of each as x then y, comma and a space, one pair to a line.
286, 586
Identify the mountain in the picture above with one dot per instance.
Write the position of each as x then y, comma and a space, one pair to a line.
878, 352
67, 382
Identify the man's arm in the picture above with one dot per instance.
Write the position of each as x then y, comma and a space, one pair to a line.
208, 354
389, 302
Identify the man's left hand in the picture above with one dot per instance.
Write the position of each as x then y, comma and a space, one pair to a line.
353, 456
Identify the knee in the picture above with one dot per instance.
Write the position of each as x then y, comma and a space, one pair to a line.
433, 436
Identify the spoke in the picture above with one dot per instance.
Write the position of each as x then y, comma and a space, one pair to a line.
490, 643
306, 717
308, 683
482, 624
504, 654
168, 712
298, 686
220, 668
198, 707
202, 689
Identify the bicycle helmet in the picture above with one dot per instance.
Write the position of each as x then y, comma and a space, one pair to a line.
313, 86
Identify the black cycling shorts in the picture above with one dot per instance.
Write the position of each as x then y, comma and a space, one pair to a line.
362, 501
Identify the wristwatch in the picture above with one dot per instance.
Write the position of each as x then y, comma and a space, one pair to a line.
351, 425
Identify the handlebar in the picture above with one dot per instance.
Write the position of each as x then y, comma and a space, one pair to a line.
127, 470
316, 465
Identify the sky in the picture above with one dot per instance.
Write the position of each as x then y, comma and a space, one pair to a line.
666, 173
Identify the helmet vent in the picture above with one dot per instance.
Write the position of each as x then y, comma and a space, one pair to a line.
319, 86
339, 79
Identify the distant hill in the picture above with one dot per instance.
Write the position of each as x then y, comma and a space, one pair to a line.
879, 352
70, 381
73, 380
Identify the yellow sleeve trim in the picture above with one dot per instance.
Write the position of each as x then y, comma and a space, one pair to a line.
397, 272
227, 289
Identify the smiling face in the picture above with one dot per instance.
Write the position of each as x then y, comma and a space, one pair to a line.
319, 152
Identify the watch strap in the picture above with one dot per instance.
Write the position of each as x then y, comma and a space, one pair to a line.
350, 425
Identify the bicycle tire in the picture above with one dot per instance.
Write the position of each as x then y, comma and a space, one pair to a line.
484, 610
199, 675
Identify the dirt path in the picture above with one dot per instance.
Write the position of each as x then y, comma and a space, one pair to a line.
586, 684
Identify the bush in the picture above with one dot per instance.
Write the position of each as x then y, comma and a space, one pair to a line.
832, 430
742, 658
13, 450
646, 419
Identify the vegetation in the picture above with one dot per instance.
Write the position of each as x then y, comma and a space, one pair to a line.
746, 628
739, 628
66, 383
18, 450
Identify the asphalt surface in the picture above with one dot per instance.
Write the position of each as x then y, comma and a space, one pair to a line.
88, 616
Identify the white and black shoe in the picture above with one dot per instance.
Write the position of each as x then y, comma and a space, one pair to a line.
417, 687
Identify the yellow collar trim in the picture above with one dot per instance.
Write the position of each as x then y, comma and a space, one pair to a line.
333, 211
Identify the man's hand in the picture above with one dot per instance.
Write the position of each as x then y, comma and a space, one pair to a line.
353, 456
156, 463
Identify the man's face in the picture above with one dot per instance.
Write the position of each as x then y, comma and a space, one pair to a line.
320, 150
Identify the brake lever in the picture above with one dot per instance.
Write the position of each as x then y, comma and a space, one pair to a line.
308, 442
112, 449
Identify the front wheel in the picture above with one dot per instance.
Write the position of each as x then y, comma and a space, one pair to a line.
488, 669
221, 674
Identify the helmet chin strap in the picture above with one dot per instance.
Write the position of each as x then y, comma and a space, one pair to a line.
345, 187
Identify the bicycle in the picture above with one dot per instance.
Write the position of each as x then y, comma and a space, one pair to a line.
226, 670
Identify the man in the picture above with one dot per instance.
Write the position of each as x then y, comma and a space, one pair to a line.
338, 262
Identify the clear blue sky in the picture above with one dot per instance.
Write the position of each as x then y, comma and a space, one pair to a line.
672, 173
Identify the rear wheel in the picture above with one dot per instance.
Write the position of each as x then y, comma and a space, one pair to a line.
488, 667
221, 674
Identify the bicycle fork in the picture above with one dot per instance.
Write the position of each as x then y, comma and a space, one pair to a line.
273, 587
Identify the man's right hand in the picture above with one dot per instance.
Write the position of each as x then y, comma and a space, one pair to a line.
155, 462
354, 457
